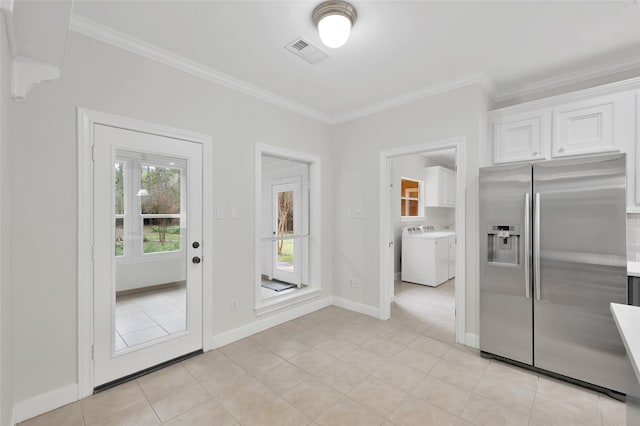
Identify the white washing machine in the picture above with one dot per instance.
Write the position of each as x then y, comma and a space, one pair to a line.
425, 255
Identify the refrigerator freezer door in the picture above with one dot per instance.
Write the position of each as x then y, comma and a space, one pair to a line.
582, 268
506, 323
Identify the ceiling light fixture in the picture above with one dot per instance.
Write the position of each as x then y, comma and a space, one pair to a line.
334, 19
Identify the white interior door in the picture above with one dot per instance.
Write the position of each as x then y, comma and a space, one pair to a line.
286, 226
147, 250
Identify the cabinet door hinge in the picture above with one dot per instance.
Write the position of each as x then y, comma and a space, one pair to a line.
93, 352
93, 153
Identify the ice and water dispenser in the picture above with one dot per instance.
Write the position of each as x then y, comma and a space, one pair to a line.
503, 245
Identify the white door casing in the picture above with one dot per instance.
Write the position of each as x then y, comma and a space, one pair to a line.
200, 330
292, 273
109, 364
311, 238
385, 232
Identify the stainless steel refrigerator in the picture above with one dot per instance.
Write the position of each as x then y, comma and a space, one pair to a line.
552, 258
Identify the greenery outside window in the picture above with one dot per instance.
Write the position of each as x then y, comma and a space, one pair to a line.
149, 204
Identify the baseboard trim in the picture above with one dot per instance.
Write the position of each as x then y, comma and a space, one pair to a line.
257, 326
472, 340
45, 402
371, 311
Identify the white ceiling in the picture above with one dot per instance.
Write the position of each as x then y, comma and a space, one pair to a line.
398, 50
446, 157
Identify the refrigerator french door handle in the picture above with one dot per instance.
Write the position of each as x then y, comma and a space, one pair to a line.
527, 244
536, 244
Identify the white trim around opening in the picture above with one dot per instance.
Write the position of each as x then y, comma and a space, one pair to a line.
314, 287
87, 119
385, 239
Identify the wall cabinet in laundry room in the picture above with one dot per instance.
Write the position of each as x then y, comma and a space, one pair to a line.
439, 187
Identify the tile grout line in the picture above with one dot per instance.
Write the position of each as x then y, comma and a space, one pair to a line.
146, 397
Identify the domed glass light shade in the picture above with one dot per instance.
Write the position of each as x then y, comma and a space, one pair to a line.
334, 20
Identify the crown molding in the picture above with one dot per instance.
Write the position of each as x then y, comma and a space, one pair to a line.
567, 79
572, 96
6, 7
116, 38
417, 95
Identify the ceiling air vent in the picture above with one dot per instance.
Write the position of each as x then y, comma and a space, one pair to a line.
307, 51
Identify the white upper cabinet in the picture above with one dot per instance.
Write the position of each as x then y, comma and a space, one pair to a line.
588, 126
591, 121
520, 137
439, 187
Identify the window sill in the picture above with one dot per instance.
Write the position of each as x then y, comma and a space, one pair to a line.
279, 302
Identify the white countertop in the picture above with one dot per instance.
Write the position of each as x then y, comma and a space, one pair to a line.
627, 319
633, 269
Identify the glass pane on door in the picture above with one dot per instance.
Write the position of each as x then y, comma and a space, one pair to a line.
119, 207
285, 248
160, 197
151, 287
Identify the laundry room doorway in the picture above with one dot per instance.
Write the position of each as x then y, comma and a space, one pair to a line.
422, 239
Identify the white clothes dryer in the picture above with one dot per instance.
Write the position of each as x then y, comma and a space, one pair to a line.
425, 255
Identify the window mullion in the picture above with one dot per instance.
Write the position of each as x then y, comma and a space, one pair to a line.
136, 219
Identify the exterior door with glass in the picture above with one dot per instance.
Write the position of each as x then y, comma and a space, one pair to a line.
147, 250
286, 225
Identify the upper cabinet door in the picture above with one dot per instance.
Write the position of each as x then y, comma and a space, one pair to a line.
439, 187
587, 127
520, 137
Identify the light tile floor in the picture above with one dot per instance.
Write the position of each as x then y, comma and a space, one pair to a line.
336, 367
148, 315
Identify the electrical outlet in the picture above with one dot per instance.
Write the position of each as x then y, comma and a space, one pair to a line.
234, 305
355, 283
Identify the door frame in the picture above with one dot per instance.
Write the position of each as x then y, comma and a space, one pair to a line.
386, 273
87, 119
297, 211
313, 273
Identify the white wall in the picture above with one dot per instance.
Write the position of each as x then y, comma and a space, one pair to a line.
140, 274
357, 147
43, 192
440, 217
6, 363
